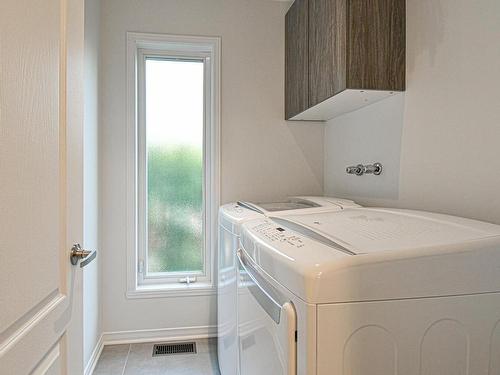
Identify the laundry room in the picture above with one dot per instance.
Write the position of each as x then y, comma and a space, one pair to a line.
250, 187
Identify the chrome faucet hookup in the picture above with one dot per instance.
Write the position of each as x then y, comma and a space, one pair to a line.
360, 169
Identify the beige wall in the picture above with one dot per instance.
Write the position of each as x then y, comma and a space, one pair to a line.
263, 157
443, 152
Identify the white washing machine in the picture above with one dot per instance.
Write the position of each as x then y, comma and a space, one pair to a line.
370, 292
231, 217
302, 204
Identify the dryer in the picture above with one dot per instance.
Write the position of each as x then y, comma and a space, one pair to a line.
367, 291
231, 217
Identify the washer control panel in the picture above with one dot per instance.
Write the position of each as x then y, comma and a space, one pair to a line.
275, 233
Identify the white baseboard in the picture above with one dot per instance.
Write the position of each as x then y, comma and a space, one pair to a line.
147, 335
96, 353
162, 334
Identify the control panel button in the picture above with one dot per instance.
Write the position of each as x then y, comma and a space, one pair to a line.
273, 233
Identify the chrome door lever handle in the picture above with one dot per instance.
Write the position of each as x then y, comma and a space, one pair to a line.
78, 253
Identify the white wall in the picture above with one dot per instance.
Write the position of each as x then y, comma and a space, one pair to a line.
263, 157
368, 135
440, 143
91, 274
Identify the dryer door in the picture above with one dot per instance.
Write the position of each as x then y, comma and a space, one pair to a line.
266, 325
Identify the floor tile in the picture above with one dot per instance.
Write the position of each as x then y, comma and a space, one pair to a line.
206, 345
112, 360
139, 360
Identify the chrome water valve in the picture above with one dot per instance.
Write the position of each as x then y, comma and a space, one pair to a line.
360, 169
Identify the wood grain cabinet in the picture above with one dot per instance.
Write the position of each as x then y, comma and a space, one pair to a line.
296, 67
342, 55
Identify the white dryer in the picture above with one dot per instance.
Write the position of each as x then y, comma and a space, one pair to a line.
370, 292
231, 217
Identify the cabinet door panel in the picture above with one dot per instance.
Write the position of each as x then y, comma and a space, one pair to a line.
376, 44
327, 49
296, 55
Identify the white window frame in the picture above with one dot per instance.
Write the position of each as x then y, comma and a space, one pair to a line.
139, 47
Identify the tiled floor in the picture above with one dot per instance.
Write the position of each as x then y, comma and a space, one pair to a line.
137, 359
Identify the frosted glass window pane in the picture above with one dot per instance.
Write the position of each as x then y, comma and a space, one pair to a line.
174, 134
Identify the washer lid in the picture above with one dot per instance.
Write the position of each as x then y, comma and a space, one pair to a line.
369, 230
375, 254
325, 201
299, 205
268, 208
232, 215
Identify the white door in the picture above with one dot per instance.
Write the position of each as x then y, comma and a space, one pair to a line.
41, 57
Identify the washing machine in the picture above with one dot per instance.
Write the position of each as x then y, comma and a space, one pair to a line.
302, 204
231, 217
366, 291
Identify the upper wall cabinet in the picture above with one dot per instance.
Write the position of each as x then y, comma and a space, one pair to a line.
342, 55
297, 65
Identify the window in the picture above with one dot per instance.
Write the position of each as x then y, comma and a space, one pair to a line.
173, 101
173, 162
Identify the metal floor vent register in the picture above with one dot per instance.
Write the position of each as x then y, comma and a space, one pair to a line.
174, 348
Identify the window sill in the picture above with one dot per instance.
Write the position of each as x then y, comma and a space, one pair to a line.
171, 290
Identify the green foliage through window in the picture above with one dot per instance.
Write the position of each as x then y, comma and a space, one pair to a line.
175, 208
